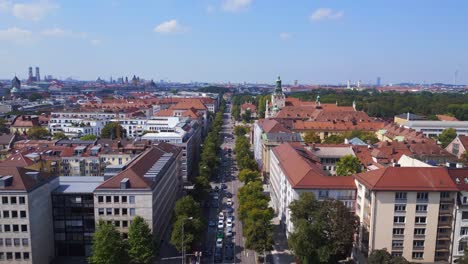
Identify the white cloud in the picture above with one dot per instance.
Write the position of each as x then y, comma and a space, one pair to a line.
5, 6
285, 35
326, 14
170, 26
16, 35
236, 5
96, 42
33, 11
59, 32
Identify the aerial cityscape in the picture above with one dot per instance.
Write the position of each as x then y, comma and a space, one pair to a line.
233, 131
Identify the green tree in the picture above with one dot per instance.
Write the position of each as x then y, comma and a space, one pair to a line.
464, 258
235, 110
348, 165
381, 256
447, 136
3, 127
258, 230
240, 131
34, 97
111, 131
247, 116
60, 135
326, 235
38, 132
311, 137
88, 137
140, 242
334, 139
192, 230
108, 246
187, 207
464, 157
247, 176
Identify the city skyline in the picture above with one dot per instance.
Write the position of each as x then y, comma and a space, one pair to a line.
314, 42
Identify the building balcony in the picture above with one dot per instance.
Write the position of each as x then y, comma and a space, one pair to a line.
443, 236
443, 247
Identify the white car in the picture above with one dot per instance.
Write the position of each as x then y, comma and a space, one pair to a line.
219, 243
220, 224
229, 202
221, 216
229, 223
229, 232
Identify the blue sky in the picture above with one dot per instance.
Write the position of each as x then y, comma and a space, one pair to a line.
313, 41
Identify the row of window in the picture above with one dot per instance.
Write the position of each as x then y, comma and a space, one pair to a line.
415, 255
13, 214
417, 231
14, 228
17, 255
399, 243
420, 196
402, 219
116, 211
420, 208
13, 200
117, 199
8, 242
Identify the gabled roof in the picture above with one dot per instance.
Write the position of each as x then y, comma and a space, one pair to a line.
6, 139
464, 141
303, 170
407, 179
459, 177
17, 160
23, 179
272, 126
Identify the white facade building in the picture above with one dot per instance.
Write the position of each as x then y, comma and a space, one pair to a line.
435, 128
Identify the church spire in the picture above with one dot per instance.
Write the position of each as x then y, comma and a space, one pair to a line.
278, 88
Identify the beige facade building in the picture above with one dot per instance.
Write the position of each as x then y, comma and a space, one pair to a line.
407, 210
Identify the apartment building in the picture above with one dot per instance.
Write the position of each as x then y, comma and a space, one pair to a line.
147, 187
26, 233
407, 210
76, 127
460, 232
293, 170
432, 128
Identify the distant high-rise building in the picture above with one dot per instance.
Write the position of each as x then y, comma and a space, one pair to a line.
38, 76
30, 73
378, 81
295, 82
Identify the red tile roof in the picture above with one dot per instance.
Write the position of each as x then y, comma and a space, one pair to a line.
446, 118
459, 177
407, 179
464, 141
21, 180
272, 126
17, 160
251, 107
304, 172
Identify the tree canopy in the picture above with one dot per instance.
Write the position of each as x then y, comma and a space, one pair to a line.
108, 246
348, 165
323, 230
447, 136
247, 176
188, 217
60, 135
382, 256
111, 131
140, 242
38, 132
88, 137
311, 137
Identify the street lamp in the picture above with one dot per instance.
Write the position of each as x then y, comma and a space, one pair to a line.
183, 240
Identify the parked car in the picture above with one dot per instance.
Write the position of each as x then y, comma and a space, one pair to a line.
211, 223
229, 222
229, 232
221, 216
220, 224
219, 243
229, 202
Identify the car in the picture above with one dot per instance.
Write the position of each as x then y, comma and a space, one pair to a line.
229, 222
215, 205
221, 216
230, 210
211, 223
223, 186
229, 232
207, 251
228, 253
229, 202
215, 197
220, 224
218, 256
219, 243
229, 195
216, 189
220, 234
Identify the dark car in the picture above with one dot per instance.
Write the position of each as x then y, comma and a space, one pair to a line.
218, 256
215, 205
212, 223
230, 210
223, 186
216, 188
207, 252
228, 253
229, 195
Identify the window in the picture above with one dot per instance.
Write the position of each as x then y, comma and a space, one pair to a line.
400, 207
420, 220
116, 211
9, 255
418, 255
7, 228
2, 256
25, 255
4, 200
419, 231
132, 211
422, 196
6, 214
24, 228
124, 223
25, 242
108, 211
464, 231
444, 195
397, 253
15, 228
124, 211
116, 199
117, 223
398, 231
465, 215
397, 243
22, 200
17, 255
16, 242
124, 199
8, 242
23, 214
14, 214
400, 196
421, 208
1, 242
100, 199
131, 199
13, 200
399, 219
108, 199
101, 211
418, 243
